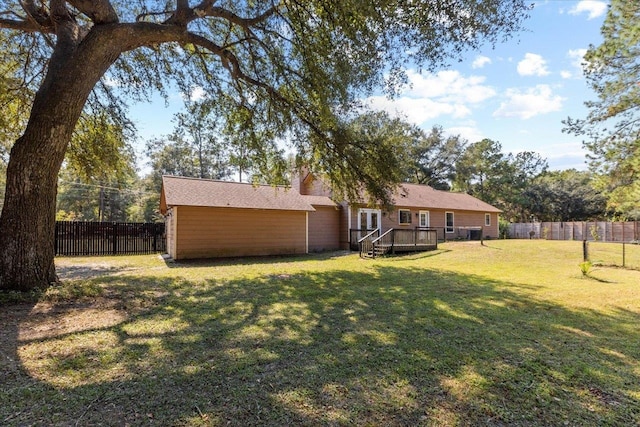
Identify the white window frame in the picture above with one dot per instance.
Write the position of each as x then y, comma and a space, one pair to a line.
487, 220
448, 229
378, 213
426, 216
400, 216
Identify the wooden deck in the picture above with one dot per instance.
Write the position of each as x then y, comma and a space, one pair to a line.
406, 247
398, 240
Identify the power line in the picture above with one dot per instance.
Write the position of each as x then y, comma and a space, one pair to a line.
105, 187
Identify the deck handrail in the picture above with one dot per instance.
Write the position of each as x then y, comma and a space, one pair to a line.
377, 230
381, 238
396, 238
355, 235
364, 243
383, 235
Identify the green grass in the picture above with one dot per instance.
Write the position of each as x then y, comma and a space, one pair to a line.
611, 254
506, 334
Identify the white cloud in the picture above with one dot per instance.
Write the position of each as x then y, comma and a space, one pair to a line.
480, 61
111, 82
562, 156
533, 65
434, 95
197, 94
577, 56
529, 103
592, 7
417, 110
561, 150
470, 133
449, 85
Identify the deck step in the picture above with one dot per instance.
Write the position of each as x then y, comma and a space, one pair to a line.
378, 251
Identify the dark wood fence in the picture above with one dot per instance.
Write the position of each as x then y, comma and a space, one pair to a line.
109, 238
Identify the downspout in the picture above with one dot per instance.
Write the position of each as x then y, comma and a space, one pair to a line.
349, 225
307, 233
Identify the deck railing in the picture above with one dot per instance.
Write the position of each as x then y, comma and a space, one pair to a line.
383, 243
365, 243
355, 234
426, 236
401, 240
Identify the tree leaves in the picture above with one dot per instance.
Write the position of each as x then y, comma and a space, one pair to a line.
612, 125
297, 66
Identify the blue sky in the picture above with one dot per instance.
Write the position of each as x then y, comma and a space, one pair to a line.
517, 93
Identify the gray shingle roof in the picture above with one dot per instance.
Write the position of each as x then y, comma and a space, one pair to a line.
423, 196
319, 201
182, 191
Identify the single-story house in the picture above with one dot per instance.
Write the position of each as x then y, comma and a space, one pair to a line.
453, 215
208, 218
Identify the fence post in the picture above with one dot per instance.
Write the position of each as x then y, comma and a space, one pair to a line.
585, 250
115, 238
155, 237
55, 240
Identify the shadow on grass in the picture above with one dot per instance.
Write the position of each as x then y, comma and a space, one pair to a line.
387, 346
252, 260
412, 256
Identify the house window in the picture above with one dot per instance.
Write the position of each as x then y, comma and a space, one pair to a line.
487, 220
424, 219
368, 219
404, 216
449, 222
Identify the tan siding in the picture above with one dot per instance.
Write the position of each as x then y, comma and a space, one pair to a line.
314, 186
390, 220
437, 220
324, 229
344, 225
218, 232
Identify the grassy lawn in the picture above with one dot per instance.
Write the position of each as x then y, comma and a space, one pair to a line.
607, 253
505, 334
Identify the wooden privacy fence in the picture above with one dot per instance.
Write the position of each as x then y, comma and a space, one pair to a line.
578, 230
109, 238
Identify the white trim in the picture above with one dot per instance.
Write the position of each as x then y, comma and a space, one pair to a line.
428, 217
306, 243
349, 224
404, 210
487, 216
453, 222
378, 212
174, 244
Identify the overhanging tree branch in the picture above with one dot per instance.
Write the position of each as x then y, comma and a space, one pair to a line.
98, 11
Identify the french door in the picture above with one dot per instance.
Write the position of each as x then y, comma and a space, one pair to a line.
369, 219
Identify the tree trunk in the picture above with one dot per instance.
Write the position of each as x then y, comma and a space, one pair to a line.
27, 223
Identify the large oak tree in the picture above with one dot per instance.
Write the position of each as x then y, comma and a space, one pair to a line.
295, 65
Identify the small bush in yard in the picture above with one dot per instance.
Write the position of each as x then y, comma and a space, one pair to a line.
586, 267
